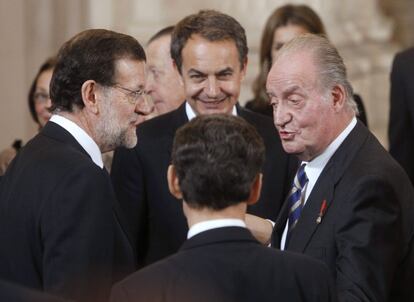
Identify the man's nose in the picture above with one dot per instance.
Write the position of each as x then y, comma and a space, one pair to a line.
212, 89
281, 115
145, 106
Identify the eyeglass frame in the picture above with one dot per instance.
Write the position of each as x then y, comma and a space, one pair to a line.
135, 94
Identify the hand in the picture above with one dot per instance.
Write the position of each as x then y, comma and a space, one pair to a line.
261, 228
6, 156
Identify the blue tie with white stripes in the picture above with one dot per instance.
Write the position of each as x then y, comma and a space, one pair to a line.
296, 197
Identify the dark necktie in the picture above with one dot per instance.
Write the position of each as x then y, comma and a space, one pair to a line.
296, 199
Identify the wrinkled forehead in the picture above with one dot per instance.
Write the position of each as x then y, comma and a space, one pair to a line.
291, 70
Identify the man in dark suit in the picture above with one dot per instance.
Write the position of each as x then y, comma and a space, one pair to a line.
216, 162
352, 205
401, 123
210, 52
60, 229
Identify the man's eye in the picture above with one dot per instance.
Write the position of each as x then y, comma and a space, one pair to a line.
225, 75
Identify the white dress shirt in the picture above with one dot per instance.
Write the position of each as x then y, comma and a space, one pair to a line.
191, 114
314, 168
214, 224
81, 137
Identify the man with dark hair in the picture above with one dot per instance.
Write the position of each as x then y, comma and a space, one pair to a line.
352, 205
164, 83
60, 228
210, 51
216, 163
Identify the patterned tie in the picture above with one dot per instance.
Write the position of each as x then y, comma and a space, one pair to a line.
295, 198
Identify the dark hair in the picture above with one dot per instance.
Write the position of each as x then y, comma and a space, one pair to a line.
90, 55
301, 15
49, 64
166, 31
217, 158
211, 25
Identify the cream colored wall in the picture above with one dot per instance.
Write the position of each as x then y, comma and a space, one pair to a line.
13, 112
31, 30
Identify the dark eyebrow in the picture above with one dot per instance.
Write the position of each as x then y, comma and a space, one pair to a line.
192, 70
224, 71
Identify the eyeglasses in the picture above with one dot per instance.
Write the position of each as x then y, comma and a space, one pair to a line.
132, 95
41, 97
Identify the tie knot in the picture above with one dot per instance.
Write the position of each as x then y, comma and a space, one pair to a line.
301, 179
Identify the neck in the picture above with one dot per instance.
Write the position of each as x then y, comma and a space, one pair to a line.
78, 117
195, 215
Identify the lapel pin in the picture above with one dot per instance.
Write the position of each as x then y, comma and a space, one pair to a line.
321, 212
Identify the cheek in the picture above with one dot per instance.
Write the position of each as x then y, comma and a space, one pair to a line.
192, 89
39, 108
231, 88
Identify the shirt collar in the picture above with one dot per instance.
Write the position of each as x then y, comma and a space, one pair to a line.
314, 168
81, 137
214, 224
191, 114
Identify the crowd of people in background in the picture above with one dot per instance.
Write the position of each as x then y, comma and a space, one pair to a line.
149, 181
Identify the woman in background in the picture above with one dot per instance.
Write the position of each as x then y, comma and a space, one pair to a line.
39, 104
286, 23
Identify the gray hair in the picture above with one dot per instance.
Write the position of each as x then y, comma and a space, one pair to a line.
332, 70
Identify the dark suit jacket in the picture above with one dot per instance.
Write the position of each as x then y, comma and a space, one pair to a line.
366, 234
157, 223
228, 264
401, 123
15, 293
59, 231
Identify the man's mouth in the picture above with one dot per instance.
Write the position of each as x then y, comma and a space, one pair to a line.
216, 102
285, 135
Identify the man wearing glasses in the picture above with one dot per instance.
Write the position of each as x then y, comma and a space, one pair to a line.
60, 229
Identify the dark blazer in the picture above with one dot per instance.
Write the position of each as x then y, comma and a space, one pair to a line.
157, 223
15, 293
366, 234
59, 230
401, 122
228, 264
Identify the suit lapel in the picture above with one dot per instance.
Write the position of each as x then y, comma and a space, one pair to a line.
307, 224
324, 188
57, 132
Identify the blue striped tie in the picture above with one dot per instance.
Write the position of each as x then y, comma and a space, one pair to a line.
295, 198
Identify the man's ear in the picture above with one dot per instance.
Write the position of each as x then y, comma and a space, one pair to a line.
255, 189
89, 92
243, 70
338, 97
173, 184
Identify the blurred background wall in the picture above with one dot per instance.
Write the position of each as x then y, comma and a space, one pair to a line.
367, 33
